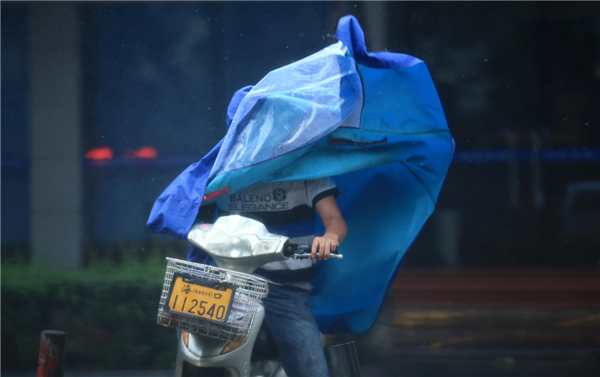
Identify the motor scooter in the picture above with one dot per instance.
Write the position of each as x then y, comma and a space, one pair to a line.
218, 310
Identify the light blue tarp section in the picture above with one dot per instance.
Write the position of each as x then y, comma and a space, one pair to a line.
371, 121
282, 117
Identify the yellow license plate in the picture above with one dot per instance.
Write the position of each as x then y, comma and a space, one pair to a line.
200, 298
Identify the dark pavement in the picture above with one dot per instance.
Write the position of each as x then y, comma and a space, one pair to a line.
465, 342
432, 342
502, 324
486, 324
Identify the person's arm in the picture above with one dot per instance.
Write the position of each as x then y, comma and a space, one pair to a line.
335, 228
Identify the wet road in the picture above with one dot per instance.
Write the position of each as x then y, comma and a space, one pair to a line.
432, 342
480, 325
467, 342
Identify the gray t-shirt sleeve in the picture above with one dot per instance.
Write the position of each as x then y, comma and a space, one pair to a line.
318, 189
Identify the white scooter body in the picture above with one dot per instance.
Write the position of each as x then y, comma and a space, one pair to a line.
204, 352
239, 244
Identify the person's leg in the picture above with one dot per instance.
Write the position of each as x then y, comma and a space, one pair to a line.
290, 318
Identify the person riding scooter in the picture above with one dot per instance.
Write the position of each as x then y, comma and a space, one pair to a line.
373, 122
289, 209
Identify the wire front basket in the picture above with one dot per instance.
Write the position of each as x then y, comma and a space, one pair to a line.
249, 292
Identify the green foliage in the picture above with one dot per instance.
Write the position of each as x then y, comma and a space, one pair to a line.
108, 312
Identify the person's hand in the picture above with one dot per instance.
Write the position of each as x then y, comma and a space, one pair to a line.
325, 245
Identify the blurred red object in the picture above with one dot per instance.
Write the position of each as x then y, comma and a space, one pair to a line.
146, 152
103, 153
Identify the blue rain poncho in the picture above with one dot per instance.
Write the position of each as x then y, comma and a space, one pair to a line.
373, 122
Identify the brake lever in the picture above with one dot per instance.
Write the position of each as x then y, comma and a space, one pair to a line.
303, 251
306, 256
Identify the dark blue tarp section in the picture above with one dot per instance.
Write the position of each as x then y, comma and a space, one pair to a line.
371, 121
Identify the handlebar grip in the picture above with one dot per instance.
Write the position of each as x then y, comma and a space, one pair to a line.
304, 248
303, 251
307, 248
307, 256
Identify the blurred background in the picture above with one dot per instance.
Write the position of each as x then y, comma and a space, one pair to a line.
105, 103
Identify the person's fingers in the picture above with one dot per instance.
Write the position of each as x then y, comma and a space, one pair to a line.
327, 250
321, 249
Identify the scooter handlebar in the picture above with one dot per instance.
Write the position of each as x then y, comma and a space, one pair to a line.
306, 256
303, 251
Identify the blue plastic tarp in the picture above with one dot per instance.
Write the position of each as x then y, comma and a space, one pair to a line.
371, 121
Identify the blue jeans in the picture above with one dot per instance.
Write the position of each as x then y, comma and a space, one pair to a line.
291, 320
